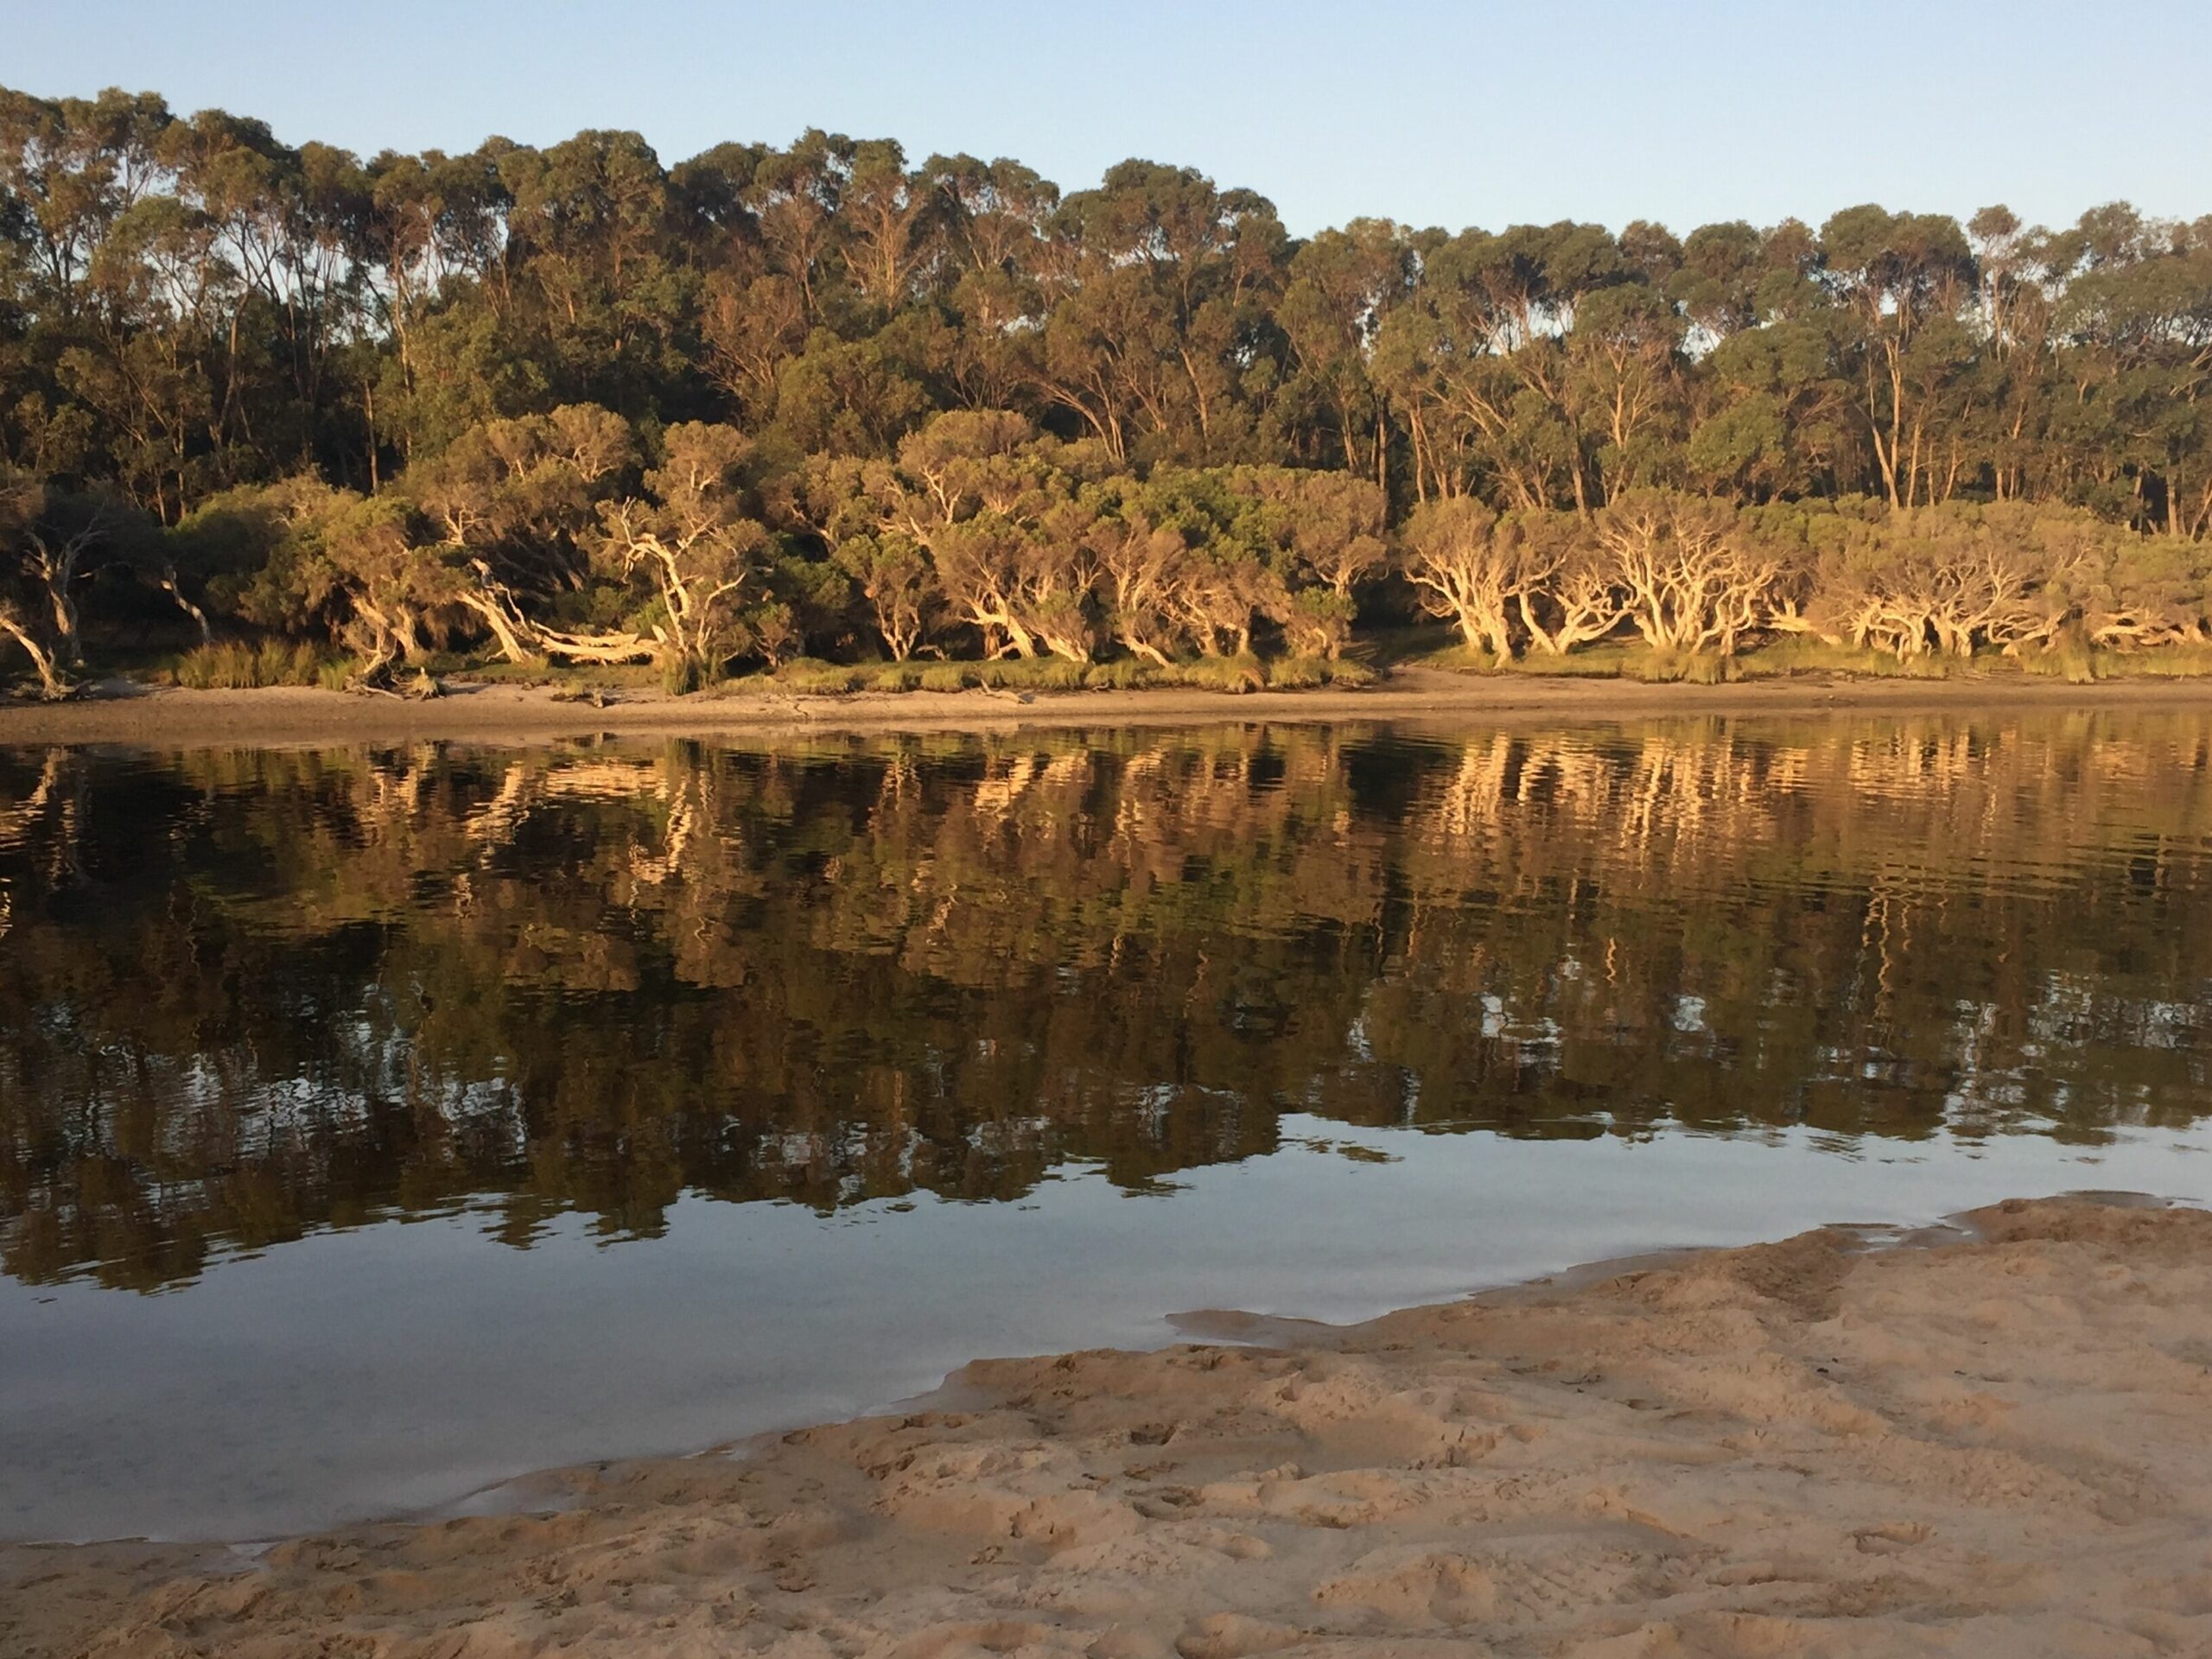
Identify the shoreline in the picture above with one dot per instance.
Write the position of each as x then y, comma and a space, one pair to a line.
292, 716
1939, 1441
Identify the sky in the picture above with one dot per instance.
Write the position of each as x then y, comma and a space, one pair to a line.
1429, 114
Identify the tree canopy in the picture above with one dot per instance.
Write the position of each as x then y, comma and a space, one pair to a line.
577, 402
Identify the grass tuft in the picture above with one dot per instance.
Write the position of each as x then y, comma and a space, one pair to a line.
243, 665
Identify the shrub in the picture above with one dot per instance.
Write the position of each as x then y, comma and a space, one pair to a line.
892, 676
2185, 661
1350, 674
1464, 659
1243, 672
1298, 673
1124, 674
2068, 657
1664, 665
1057, 674
681, 674
828, 679
240, 666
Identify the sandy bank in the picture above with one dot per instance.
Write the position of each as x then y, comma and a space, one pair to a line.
1995, 1445
171, 718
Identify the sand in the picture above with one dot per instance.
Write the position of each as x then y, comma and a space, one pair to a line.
1995, 1441
289, 716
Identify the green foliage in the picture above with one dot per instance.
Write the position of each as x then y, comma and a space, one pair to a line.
1124, 674
571, 405
2069, 658
892, 677
819, 678
1243, 672
1296, 673
681, 676
2169, 662
241, 666
1799, 653
1666, 663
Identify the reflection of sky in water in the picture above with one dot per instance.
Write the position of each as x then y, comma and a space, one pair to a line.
403, 1365
305, 1042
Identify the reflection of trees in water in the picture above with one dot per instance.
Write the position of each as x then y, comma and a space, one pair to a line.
245, 995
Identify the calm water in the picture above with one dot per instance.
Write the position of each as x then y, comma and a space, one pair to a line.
376, 1125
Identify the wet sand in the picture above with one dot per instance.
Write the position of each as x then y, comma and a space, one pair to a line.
1993, 1441
295, 717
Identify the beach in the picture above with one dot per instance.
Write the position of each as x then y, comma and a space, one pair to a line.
293, 716
1987, 1438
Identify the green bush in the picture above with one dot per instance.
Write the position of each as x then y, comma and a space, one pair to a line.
943, 676
1123, 674
1057, 674
808, 675
1023, 674
1462, 658
240, 666
681, 674
1665, 665
2188, 661
2069, 658
1351, 674
1298, 673
1243, 672
1806, 653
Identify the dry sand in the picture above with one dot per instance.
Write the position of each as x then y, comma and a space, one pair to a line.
1997, 1444
170, 718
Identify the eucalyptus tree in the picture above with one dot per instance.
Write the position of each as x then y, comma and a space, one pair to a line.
1194, 431
1904, 281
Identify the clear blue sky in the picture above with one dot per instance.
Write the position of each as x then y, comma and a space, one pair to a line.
1430, 113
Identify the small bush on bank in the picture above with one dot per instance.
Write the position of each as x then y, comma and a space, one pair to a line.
892, 677
243, 665
810, 676
1055, 674
1243, 672
1296, 673
682, 675
1805, 653
1125, 674
1350, 674
1460, 660
2165, 662
2070, 659
1665, 666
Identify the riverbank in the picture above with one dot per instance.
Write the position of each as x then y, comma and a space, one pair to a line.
170, 717
1996, 1442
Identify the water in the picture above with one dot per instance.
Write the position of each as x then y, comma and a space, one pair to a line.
379, 1125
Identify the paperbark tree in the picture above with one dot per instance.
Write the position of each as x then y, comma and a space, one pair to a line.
689, 538
1477, 572
1691, 579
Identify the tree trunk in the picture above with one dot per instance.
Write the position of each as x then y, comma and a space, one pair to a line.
175, 591
52, 685
505, 629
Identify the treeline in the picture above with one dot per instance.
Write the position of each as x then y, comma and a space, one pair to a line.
573, 403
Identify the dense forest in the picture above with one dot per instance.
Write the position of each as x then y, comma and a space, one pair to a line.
247, 994
573, 404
